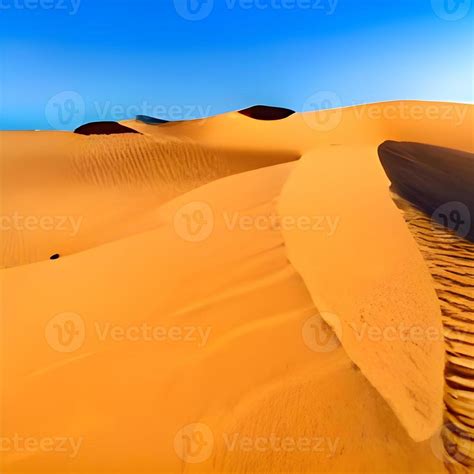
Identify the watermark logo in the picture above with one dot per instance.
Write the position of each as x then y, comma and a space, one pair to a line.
194, 443
320, 336
322, 111
451, 10
194, 10
65, 332
454, 216
65, 110
194, 222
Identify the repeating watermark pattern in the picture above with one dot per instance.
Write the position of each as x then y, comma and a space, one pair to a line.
286, 444
64, 445
323, 111
65, 110
196, 221
66, 333
454, 216
71, 7
404, 110
69, 225
324, 224
175, 112
319, 336
397, 332
145, 332
197, 10
194, 443
451, 10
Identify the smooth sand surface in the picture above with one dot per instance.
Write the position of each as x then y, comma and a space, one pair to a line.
183, 328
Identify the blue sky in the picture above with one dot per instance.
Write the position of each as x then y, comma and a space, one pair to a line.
65, 62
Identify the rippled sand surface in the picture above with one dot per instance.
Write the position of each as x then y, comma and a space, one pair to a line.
450, 260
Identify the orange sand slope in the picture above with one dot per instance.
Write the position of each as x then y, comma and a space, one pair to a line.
174, 334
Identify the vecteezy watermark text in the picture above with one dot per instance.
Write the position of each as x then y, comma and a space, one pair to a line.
196, 10
30, 444
147, 333
23, 223
67, 332
69, 6
286, 444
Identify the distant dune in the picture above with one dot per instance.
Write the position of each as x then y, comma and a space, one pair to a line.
295, 296
103, 128
264, 112
150, 120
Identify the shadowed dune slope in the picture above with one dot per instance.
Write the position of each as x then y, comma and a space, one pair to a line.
103, 128
150, 120
265, 112
431, 178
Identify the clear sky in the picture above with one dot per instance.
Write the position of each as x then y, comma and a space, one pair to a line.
65, 62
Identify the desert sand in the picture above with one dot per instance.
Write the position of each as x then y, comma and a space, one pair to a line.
209, 308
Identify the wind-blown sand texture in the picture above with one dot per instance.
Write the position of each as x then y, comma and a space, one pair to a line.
190, 229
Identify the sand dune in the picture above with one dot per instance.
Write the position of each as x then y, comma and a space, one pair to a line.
255, 376
103, 128
190, 323
64, 193
264, 112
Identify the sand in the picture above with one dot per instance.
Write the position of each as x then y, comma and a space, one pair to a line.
187, 328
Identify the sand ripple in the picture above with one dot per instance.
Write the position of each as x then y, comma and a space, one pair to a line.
450, 260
